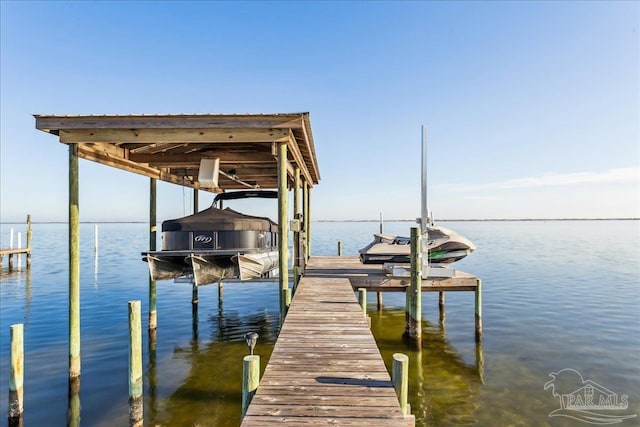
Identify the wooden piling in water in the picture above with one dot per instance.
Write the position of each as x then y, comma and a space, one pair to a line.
339, 248
250, 380
16, 374
135, 365
29, 236
479, 310
413, 328
74, 263
363, 300
379, 298
400, 378
153, 314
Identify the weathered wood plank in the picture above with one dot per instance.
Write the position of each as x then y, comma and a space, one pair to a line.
326, 368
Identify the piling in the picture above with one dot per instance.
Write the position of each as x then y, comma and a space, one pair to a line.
95, 238
339, 248
135, 365
413, 328
297, 214
74, 264
379, 298
250, 380
16, 375
363, 300
287, 298
400, 378
479, 311
153, 314
19, 247
29, 236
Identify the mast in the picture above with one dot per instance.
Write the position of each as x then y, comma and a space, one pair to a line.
424, 218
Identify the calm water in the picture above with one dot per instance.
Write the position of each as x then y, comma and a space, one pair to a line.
556, 295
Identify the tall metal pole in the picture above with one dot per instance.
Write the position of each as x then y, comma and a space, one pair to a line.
425, 210
74, 265
283, 226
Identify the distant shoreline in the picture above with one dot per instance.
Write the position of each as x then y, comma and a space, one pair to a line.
367, 220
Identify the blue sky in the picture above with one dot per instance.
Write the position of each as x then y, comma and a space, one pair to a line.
532, 108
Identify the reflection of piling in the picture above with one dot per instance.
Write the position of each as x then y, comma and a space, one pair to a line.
16, 379
250, 380
480, 360
73, 411
135, 365
151, 375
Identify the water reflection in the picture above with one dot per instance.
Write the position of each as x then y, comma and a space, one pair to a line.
443, 388
211, 392
73, 411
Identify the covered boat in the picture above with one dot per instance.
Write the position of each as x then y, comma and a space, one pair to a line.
217, 244
443, 246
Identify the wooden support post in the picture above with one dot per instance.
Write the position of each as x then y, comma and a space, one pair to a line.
287, 298
441, 310
10, 261
194, 296
250, 380
363, 300
19, 255
297, 214
153, 313
135, 365
308, 222
95, 239
283, 226
479, 310
195, 201
413, 329
380, 305
16, 375
74, 264
400, 377
339, 248
29, 236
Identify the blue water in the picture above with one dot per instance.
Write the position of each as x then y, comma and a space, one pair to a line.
556, 295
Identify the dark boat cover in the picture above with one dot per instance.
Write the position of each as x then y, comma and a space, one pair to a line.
220, 220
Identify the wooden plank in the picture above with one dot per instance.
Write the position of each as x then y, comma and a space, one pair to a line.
170, 121
191, 136
326, 367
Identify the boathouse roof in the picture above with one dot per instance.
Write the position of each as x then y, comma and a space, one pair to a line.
169, 147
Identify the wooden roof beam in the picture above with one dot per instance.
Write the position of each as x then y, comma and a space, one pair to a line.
173, 135
54, 123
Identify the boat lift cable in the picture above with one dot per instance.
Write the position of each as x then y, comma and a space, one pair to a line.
235, 178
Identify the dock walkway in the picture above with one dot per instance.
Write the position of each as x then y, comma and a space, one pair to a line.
326, 368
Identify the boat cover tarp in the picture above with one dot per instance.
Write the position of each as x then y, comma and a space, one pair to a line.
220, 220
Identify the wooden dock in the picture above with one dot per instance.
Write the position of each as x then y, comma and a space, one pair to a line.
373, 277
326, 368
